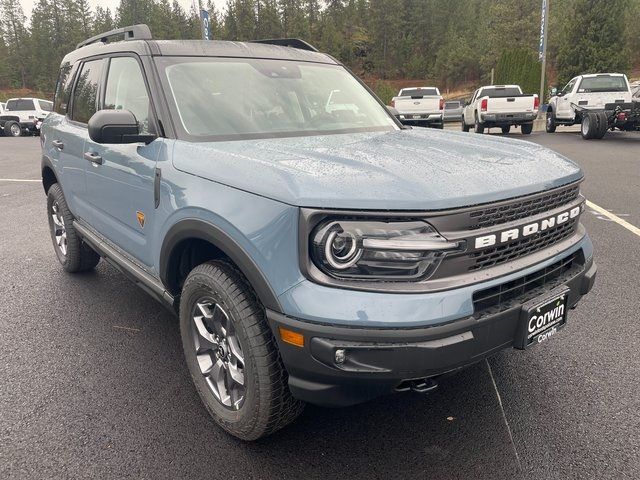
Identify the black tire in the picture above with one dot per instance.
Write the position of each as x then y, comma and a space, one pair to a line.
506, 129
12, 129
266, 405
550, 125
465, 127
478, 127
526, 128
439, 126
603, 125
589, 126
75, 256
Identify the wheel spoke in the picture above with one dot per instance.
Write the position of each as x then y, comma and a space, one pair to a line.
237, 376
234, 348
205, 363
220, 321
205, 340
217, 380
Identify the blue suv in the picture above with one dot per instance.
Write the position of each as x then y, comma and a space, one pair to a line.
314, 249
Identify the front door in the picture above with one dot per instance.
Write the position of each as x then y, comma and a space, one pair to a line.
120, 178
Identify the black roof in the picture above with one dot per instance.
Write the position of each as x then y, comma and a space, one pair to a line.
201, 48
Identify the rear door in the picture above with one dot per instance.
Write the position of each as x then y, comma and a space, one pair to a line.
120, 178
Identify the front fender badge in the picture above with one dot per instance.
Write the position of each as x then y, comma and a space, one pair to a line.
140, 217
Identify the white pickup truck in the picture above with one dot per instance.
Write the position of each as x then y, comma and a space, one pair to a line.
587, 94
24, 116
421, 106
501, 106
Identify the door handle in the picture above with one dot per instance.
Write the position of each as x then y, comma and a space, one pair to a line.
93, 158
57, 144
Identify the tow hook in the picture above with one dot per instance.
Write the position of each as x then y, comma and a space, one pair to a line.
422, 386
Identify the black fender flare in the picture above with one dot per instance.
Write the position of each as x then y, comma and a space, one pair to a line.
192, 228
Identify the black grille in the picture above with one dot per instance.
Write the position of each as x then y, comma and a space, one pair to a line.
491, 257
489, 216
508, 295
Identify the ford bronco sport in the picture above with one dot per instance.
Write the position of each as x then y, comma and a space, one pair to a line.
312, 255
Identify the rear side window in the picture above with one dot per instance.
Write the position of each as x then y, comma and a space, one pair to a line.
63, 88
22, 104
46, 106
85, 95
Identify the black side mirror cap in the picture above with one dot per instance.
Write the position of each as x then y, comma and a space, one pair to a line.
116, 127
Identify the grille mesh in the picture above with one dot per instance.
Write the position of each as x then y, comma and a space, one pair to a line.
507, 295
504, 253
490, 216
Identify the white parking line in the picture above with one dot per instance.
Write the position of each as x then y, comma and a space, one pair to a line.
18, 180
614, 218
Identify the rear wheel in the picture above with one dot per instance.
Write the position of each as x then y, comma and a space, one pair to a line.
72, 252
589, 126
603, 125
465, 127
13, 129
526, 128
232, 355
478, 127
550, 125
506, 129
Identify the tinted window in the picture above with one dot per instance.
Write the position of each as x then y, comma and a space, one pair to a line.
85, 95
46, 106
603, 83
418, 92
126, 90
63, 88
451, 105
20, 105
500, 92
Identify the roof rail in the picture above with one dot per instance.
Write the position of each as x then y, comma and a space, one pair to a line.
288, 42
133, 32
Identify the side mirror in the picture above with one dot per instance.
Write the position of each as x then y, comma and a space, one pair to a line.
559, 94
116, 127
393, 111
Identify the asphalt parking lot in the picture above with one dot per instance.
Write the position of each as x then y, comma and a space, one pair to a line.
94, 385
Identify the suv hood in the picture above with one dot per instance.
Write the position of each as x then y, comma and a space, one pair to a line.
418, 169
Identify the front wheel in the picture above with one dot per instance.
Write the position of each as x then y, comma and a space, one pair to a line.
232, 355
550, 125
526, 128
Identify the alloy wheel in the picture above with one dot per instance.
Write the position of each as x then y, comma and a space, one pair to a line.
15, 130
59, 229
218, 352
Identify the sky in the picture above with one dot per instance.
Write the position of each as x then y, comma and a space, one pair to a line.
27, 5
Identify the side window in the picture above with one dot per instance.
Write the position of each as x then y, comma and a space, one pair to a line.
46, 106
569, 86
85, 95
63, 88
126, 90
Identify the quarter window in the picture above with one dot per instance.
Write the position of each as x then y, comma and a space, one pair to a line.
85, 95
126, 90
63, 88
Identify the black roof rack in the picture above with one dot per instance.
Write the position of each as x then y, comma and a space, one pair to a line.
288, 42
134, 32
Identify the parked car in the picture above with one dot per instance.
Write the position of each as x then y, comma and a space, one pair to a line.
586, 94
421, 106
23, 116
453, 110
502, 106
310, 257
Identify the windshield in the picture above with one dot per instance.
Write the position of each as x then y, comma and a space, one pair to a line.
500, 92
241, 98
603, 83
19, 105
417, 92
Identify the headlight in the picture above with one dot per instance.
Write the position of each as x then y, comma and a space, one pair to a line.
368, 250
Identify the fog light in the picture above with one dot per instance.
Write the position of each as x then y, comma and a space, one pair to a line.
340, 356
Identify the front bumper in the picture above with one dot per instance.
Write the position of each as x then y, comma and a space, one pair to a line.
382, 360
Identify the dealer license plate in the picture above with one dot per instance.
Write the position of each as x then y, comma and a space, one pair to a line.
542, 321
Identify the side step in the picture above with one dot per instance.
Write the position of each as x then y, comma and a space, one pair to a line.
147, 282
